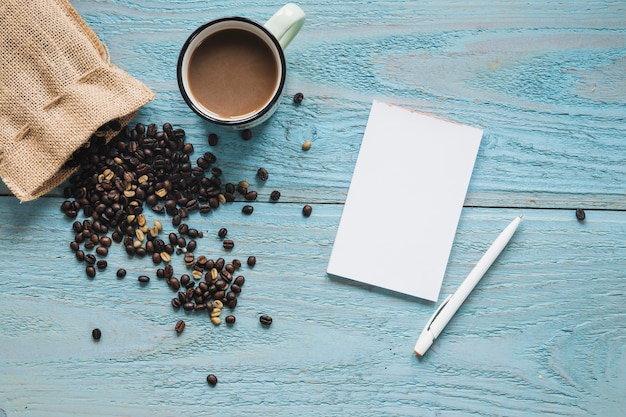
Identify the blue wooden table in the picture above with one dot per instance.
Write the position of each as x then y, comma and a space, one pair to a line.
542, 334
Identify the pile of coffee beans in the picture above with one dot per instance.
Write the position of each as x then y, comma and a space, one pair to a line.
147, 168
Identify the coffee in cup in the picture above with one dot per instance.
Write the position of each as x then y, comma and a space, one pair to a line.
231, 71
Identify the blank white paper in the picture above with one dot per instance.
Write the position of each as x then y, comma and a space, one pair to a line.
404, 201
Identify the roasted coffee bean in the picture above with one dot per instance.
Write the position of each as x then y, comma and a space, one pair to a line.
228, 244
144, 279
222, 232
235, 288
121, 273
168, 271
105, 241
251, 195
91, 271
102, 250
193, 233
90, 259
262, 174
275, 195
74, 246
236, 264
246, 134
247, 209
174, 283
213, 139
188, 306
580, 214
176, 303
298, 97
96, 334
239, 281
307, 210
191, 246
102, 264
211, 379
230, 319
80, 255
265, 320
89, 245
251, 260
180, 326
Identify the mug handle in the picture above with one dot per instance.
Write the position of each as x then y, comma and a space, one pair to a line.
286, 23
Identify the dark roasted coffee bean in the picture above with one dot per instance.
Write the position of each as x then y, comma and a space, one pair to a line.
265, 320
96, 334
262, 174
230, 268
230, 319
102, 250
105, 241
74, 246
185, 279
251, 260
307, 210
222, 232
211, 379
298, 97
89, 245
102, 264
246, 134
193, 233
174, 283
121, 273
275, 195
219, 295
247, 209
240, 280
176, 303
232, 304
236, 264
188, 306
251, 195
80, 255
580, 214
144, 279
213, 139
91, 271
228, 244
90, 259
235, 288
180, 326
191, 246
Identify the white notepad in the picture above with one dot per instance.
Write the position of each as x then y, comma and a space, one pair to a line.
404, 202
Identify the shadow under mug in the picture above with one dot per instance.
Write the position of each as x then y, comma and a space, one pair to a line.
231, 71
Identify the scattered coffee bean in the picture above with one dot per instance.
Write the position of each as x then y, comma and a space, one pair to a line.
144, 279
222, 232
230, 319
228, 244
298, 97
265, 320
306, 145
96, 334
262, 174
246, 134
213, 139
90, 271
307, 210
275, 195
247, 209
180, 326
102, 264
580, 214
211, 379
251, 260
251, 195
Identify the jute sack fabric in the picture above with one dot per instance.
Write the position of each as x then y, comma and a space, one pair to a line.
57, 87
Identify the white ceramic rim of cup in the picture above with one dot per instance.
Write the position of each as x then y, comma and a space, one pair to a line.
200, 35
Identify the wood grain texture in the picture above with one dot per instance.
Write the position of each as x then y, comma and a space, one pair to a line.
542, 334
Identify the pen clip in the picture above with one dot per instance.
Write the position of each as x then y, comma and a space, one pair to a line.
436, 313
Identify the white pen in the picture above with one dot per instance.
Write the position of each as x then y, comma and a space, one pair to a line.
451, 304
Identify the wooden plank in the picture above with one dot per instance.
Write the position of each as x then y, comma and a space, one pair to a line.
541, 334
544, 82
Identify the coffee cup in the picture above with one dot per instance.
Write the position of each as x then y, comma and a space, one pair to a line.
231, 71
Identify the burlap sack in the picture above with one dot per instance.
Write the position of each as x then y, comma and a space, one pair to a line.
57, 87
